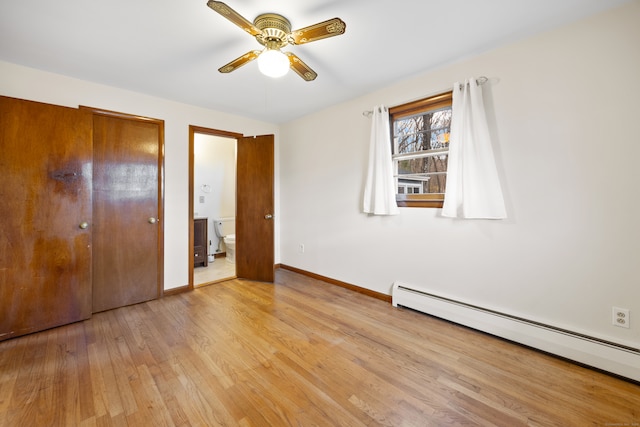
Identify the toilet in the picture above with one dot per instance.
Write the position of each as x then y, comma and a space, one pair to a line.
225, 229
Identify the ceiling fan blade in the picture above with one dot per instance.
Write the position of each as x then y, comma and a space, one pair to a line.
234, 17
240, 61
302, 69
319, 31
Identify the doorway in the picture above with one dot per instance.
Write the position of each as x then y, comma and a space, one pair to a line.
214, 199
254, 206
212, 192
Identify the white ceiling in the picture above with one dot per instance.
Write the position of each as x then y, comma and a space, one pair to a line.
173, 48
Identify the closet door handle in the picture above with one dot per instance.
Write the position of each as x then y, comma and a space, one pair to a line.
268, 216
152, 220
84, 225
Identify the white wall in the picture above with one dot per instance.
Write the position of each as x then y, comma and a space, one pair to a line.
214, 180
563, 110
31, 84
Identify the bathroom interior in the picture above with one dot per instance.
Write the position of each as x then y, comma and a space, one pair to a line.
214, 209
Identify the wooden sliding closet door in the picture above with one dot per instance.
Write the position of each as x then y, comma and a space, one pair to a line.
45, 216
127, 186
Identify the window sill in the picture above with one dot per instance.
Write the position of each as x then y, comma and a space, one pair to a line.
420, 200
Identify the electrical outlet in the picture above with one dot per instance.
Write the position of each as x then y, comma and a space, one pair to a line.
620, 317
301, 248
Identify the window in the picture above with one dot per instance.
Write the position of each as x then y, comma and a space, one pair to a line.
420, 138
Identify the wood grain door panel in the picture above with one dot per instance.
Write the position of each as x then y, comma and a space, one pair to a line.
45, 194
125, 211
254, 198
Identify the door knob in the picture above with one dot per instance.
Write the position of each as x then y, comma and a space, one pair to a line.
84, 225
152, 220
268, 216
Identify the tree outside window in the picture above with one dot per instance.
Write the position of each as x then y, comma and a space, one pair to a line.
420, 138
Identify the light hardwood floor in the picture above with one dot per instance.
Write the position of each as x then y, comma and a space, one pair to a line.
300, 352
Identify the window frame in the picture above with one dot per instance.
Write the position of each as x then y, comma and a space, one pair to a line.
435, 102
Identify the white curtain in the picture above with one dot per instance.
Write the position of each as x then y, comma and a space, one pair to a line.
473, 188
379, 190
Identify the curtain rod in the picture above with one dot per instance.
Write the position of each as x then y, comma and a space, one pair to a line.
480, 80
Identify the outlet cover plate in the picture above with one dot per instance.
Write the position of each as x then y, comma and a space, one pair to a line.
620, 317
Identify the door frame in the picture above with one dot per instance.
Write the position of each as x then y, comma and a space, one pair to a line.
193, 130
161, 185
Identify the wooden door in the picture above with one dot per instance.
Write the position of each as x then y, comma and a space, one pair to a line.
255, 209
45, 216
127, 244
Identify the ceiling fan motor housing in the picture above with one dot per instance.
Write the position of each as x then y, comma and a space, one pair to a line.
275, 29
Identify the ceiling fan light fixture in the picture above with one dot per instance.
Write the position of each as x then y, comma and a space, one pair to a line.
273, 31
273, 63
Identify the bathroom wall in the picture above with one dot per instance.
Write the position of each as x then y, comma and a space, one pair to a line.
214, 181
563, 110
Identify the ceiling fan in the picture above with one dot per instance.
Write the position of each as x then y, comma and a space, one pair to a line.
273, 31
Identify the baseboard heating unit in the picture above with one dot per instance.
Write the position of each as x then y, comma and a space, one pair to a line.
601, 354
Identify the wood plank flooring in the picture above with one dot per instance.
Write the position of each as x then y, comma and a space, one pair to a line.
297, 353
